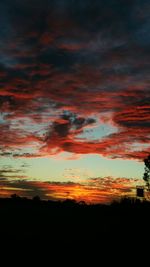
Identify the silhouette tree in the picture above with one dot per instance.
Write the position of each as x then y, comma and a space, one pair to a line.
15, 196
146, 176
36, 199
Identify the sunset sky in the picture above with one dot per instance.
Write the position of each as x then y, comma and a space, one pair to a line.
74, 98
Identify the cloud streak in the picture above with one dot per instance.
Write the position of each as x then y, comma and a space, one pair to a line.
95, 190
71, 65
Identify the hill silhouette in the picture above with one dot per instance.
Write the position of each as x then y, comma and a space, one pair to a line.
35, 219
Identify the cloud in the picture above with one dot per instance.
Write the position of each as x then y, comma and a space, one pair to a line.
64, 66
8, 173
94, 190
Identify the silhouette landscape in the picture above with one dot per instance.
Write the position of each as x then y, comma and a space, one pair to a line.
29, 220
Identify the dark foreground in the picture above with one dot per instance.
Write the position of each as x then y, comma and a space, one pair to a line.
35, 220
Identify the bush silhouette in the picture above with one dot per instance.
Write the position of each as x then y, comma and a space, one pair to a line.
36, 199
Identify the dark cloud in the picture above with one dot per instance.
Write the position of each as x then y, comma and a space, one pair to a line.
66, 127
8, 173
86, 58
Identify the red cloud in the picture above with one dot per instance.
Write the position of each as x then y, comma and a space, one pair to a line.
132, 121
64, 67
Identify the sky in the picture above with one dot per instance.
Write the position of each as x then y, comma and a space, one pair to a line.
74, 98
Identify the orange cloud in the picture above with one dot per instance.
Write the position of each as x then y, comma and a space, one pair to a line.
96, 190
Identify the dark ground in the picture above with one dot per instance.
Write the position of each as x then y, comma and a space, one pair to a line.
35, 220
